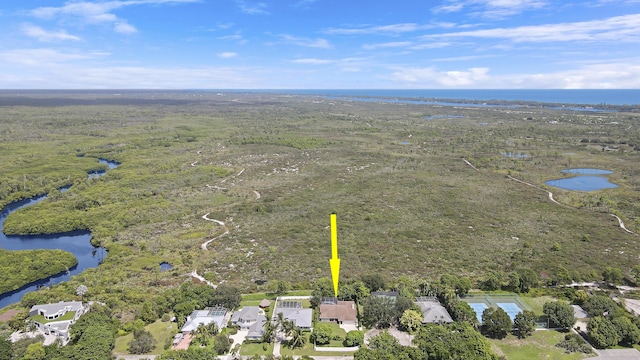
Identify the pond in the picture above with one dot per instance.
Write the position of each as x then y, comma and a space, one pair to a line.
587, 180
165, 266
76, 242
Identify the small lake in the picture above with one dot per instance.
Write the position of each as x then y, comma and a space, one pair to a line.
587, 171
165, 266
587, 180
76, 242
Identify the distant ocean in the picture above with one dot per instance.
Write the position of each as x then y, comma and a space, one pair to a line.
583, 97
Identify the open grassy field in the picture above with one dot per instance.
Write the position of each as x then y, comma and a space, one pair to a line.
161, 331
541, 345
273, 167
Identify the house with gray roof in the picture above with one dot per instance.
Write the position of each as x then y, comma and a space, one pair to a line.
433, 311
55, 319
246, 317
205, 317
302, 318
579, 313
256, 331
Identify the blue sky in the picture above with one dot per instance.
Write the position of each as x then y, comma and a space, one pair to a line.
320, 44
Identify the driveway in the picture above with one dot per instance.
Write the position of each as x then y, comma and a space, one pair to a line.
239, 337
617, 354
347, 327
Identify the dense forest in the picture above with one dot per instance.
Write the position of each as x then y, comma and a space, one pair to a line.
26, 266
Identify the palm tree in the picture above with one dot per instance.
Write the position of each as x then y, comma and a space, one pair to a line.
202, 334
81, 290
269, 333
213, 329
288, 327
297, 338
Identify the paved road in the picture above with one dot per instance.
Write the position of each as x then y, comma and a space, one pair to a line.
617, 354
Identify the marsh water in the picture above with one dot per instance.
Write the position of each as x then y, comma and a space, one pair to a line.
76, 242
587, 180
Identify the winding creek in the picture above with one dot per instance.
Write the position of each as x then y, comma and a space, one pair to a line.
76, 242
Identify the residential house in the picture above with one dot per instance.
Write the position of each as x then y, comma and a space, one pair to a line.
256, 331
246, 317
206, 317
302, 318
55, 319
433, 311
341, 312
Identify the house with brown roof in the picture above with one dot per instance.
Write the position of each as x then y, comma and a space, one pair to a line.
341, 312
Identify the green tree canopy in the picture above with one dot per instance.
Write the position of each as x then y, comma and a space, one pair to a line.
227, 296
354, 338
603, 333
374, 282
612, 275
142, 342
496, 323
599, 305
524, 323
559, 314
452, 341
378, 311
322, 334
627, 330
411, 320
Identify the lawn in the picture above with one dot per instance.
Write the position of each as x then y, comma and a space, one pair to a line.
536, 303
161, 331
255, 349
541, 345
309, 350
67, 316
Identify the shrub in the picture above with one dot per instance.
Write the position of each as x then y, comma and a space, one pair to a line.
354, 338
574, 343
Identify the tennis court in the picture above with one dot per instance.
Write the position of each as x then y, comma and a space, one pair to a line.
512, 309
510, 303
479, 308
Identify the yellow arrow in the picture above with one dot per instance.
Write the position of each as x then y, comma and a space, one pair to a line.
334, 262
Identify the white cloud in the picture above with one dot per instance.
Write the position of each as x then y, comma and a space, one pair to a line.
124, 28
623, 75
96, 13
304, 3
596, 76
387, 45
386, 29
227, 55
225, 26
252, 9
45, 36
300, 41
313, 61
230, 37
433, 77
490, 8
431, 45
42, 57
624, 28
133, 77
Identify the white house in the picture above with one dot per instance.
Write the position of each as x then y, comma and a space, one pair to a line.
55, 319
